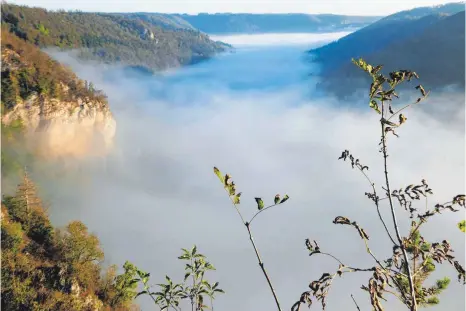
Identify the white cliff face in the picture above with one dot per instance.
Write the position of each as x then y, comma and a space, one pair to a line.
65, 128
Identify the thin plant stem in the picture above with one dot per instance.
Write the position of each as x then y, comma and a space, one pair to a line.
194, 285
407, 106
355, 303
413, 305
394, 294
356, 269
261, 263
262, 210
376, 201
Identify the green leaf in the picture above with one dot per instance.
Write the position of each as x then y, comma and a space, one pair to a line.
236, 198
194, 250
140, 293
219, 175
402, 118
276, 199
260, 203
186, 276
462, 225
373, 104
361, 64
422, 90
285, 198
231, 188
218, 290
377, 69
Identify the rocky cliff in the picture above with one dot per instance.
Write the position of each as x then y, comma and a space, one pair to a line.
59, 128
58, 113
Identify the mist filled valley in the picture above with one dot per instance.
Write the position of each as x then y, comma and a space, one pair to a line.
260, 113
252, 114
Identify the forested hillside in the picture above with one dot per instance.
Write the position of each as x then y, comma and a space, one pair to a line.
224, 23
26, 70
432, 43
113, 38
48, 269
44, 268
375, 37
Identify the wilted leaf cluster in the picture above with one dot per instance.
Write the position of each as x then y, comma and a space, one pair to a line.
411, 193
354, 162
345, 221
439, 208
319, 290
413, 259
312, 248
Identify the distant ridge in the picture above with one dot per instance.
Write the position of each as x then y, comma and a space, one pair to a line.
156, 41
429, 40
232, 23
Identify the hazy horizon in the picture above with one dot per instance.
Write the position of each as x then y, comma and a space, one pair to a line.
338, 7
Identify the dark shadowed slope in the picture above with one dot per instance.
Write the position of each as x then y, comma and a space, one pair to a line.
224, 23
113, 38
377, 36
438, 53
432, 45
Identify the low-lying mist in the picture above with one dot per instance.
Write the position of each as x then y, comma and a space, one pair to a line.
243, 40
156, 192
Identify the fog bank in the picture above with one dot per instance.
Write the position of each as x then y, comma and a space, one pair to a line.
250, 115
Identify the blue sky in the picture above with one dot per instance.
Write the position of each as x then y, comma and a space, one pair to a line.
350, 7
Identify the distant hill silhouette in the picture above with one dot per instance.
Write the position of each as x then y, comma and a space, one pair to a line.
229, 23
155, 42
428, 40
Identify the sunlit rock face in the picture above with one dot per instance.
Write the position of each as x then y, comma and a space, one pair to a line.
57, 128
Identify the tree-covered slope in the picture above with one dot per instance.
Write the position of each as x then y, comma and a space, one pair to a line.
377, 36
26, 70
115, 38
433, 44
45, 268
168, 21
438, 52
222, 23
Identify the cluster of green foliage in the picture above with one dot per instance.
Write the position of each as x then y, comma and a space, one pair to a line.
462, 225
126, 38
49, 269
26, 70
195, 288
